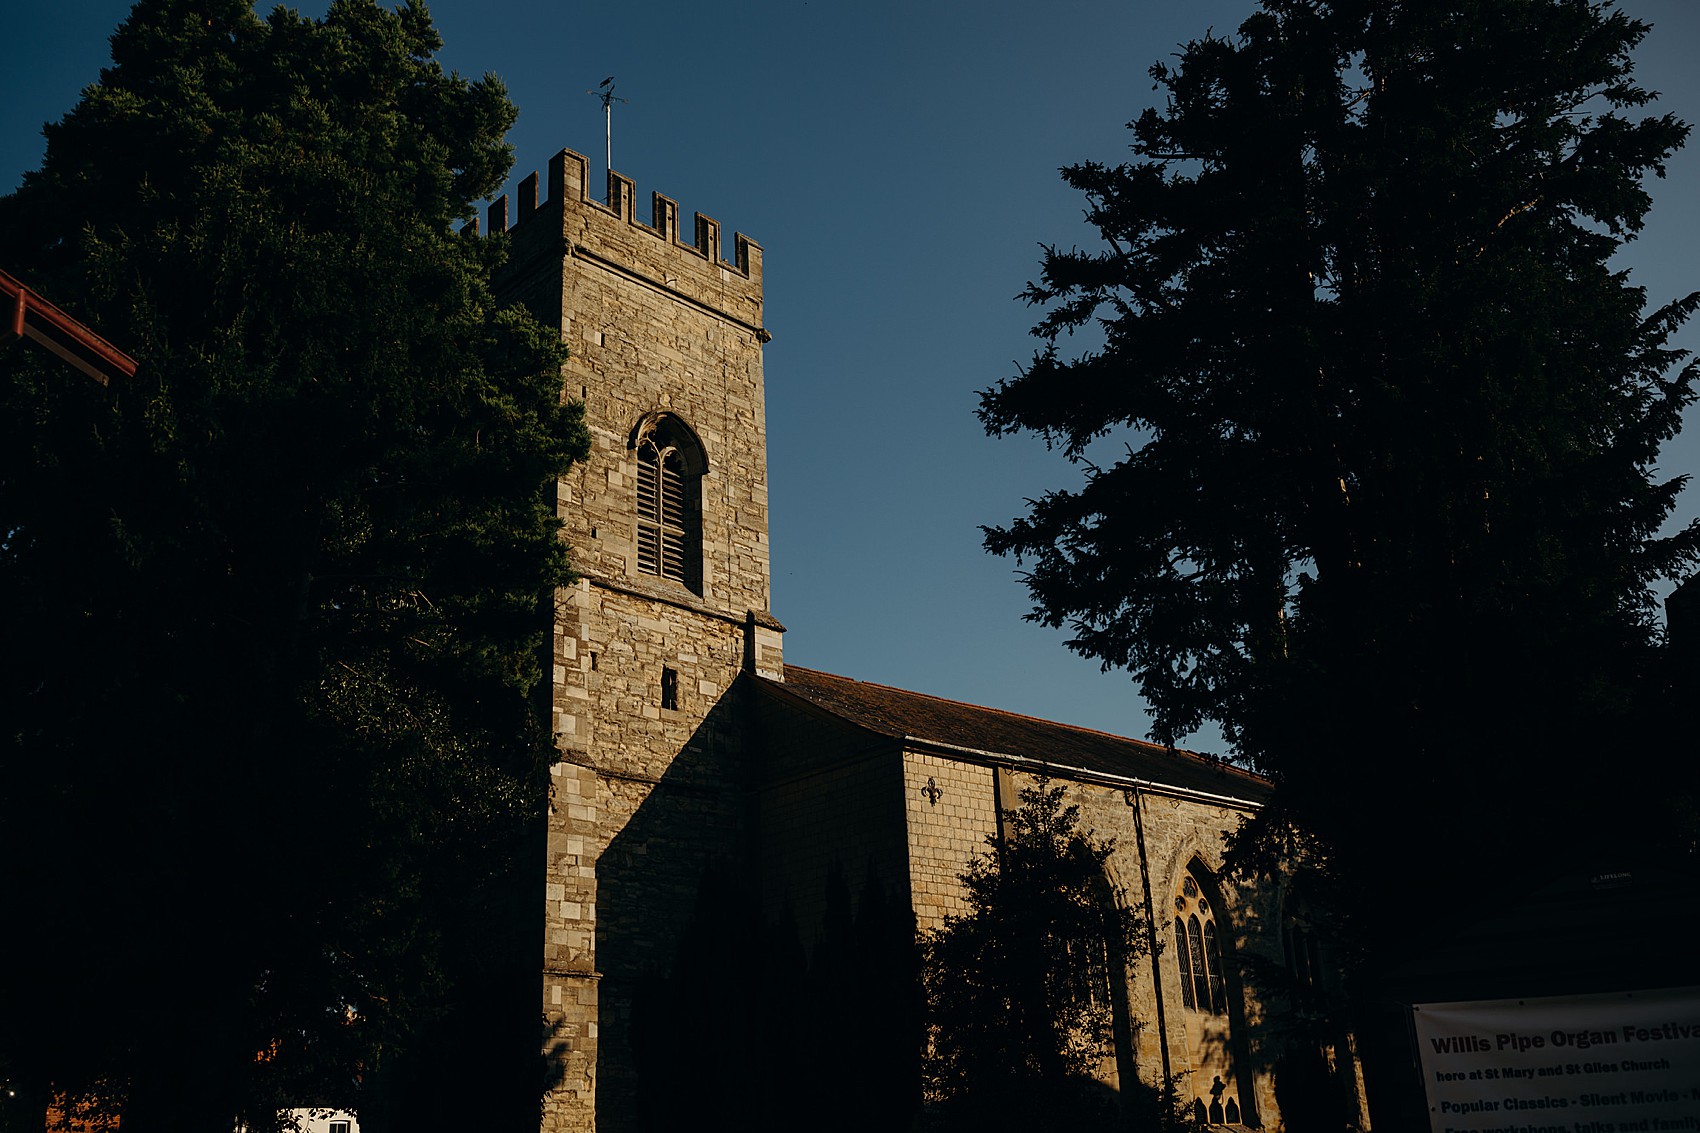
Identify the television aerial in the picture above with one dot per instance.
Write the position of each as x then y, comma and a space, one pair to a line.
605, 91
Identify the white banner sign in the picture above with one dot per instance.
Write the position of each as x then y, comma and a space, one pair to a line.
1623, 1063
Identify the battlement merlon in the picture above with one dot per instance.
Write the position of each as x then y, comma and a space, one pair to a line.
569, 222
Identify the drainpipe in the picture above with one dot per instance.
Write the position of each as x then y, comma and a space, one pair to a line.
1131, 797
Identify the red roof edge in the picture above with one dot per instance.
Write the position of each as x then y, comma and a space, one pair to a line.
30, 316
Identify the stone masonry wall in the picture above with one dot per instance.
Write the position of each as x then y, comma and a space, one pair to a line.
1179, 831
945, 833
646, 798
652, 325
951, 807
830, 797
632, 833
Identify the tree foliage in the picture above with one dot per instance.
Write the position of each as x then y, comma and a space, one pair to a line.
1021, 988
274, 608
1386, 510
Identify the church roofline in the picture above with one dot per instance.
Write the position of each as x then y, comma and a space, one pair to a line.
1054, 770
992, 735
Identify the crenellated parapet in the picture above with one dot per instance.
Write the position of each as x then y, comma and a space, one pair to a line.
570, 223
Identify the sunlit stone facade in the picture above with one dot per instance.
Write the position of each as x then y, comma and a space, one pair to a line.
686, 743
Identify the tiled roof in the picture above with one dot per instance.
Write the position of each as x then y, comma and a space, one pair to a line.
930, 720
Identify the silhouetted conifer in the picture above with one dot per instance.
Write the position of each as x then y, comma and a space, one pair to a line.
1019, 995
1387, 509
275, 608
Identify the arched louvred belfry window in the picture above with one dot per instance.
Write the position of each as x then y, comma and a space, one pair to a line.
670, 464
661, 511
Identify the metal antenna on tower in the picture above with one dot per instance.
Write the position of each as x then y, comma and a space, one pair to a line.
605, 91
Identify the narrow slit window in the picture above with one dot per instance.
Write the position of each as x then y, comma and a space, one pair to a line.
670, 689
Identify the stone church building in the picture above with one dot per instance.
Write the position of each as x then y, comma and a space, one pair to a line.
687, 742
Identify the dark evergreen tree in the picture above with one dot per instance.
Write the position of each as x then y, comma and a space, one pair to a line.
1020, 987
1386, 511
274, 609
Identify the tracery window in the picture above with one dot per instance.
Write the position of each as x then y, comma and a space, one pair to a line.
1198, 951
1304, 958
1184, 955
669, 501
1088, 971
1202, 938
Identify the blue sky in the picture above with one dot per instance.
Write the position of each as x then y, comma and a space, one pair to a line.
897, 162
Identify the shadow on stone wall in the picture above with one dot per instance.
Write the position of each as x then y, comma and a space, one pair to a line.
746, 1028
650, 895
1302, 1043
713, 1016
1074, 1105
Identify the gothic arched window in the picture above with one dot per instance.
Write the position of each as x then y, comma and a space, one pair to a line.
1218, 985
1200, 966
670, 464
1304, 955
1198, 951
1203, 948
1184, 954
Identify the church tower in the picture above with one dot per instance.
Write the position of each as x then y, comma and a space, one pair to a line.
667, 524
